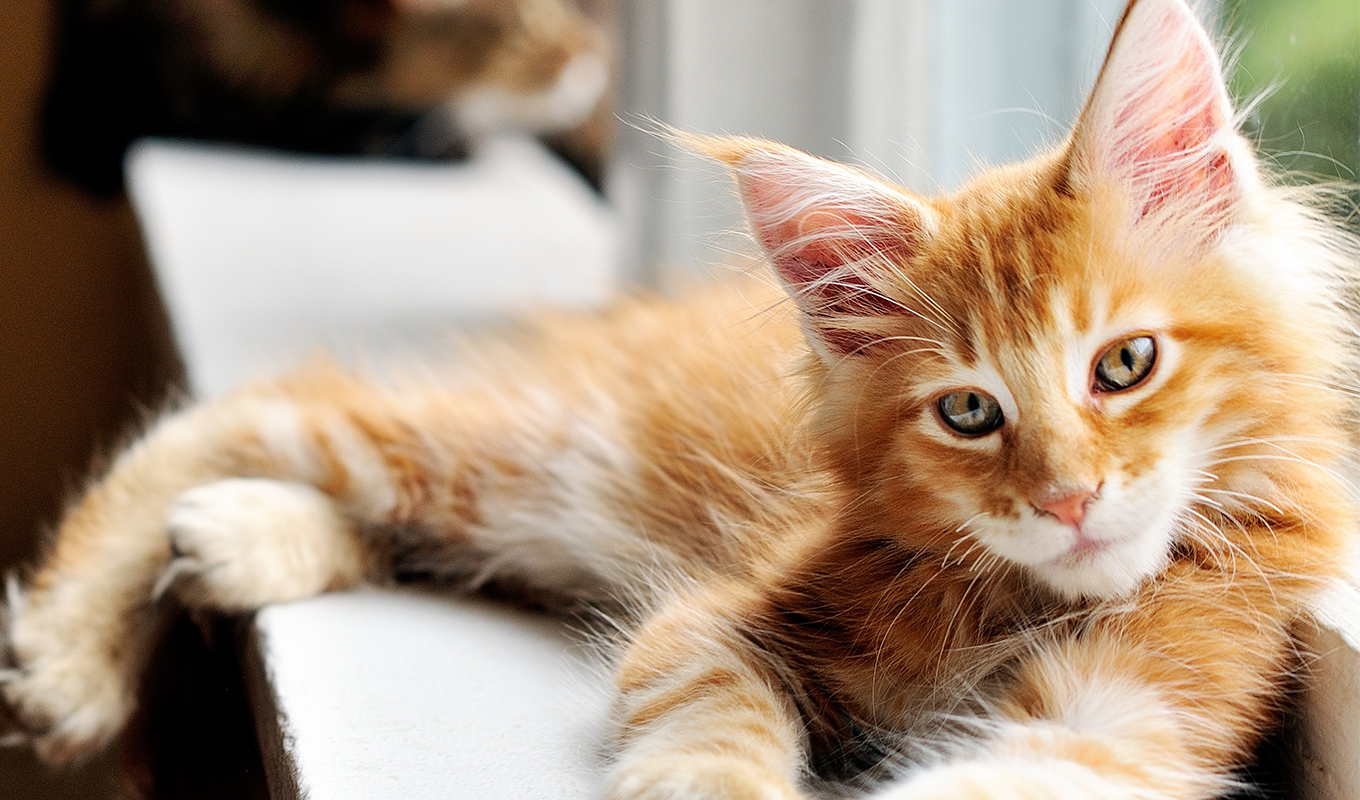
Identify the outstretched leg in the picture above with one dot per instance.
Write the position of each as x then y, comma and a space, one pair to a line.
1161, 697
82, 631
270, 495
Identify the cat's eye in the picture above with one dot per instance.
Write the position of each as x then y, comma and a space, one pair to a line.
970, 412
1125, 364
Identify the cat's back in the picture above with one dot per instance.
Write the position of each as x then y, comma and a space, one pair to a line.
711, 404
679, 422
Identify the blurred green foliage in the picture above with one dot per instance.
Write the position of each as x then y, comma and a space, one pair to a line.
1299, 62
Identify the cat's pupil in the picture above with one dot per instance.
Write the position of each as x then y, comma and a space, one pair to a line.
970, 413
1125, 364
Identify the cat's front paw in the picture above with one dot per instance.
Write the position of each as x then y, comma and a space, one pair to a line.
61, 689
1010, 779
240, 543
698, 777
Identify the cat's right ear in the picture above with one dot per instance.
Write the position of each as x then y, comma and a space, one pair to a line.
831, 232
1159, 124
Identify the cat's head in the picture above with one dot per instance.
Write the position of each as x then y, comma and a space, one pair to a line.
1079, 363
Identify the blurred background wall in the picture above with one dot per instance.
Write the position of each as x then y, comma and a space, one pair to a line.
921, 91
924, 91
82, 339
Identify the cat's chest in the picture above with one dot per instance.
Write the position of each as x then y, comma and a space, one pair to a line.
908, 639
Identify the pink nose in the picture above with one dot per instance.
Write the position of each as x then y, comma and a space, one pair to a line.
1068, 505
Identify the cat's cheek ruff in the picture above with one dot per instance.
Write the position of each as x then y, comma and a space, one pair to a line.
1142, 522
1115, 571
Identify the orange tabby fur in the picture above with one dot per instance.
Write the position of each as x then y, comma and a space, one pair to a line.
826, 572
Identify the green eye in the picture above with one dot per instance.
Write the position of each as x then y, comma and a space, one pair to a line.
1125, 364
970, 412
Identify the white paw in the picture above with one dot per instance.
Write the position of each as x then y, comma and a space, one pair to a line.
240, 543
66, 696
1010, 779
697, 777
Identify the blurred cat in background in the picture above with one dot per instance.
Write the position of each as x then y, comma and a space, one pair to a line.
416, 78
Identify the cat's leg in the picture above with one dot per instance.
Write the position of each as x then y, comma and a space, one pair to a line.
80, 633
1100, 734
277, 493
237, 543
701, 715
1163, 701
256, 498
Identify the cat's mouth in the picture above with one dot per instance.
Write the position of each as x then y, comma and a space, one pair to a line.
1083, 549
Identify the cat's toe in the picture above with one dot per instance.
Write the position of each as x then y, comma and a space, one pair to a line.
240, 543
64, 720
64, 698
13, 730
699, 777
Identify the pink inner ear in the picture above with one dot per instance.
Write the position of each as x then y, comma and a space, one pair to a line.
824, 236
1167, 106
820, 222
833, 234
812, 247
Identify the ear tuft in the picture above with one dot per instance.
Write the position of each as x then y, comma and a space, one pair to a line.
1160, 121
831, 231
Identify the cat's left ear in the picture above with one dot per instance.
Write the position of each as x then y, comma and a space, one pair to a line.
832, 233
1160, 123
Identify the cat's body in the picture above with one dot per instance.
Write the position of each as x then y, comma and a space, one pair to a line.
1029, 484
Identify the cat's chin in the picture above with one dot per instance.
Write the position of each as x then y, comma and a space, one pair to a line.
1110, 571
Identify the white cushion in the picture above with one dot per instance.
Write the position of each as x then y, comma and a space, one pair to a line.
400, 696
264, 257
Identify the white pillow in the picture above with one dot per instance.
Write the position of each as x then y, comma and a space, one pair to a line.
263, 257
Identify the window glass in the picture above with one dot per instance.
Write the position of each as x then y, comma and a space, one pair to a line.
1300, 62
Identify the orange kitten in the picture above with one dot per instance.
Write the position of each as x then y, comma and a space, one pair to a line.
1028, 485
